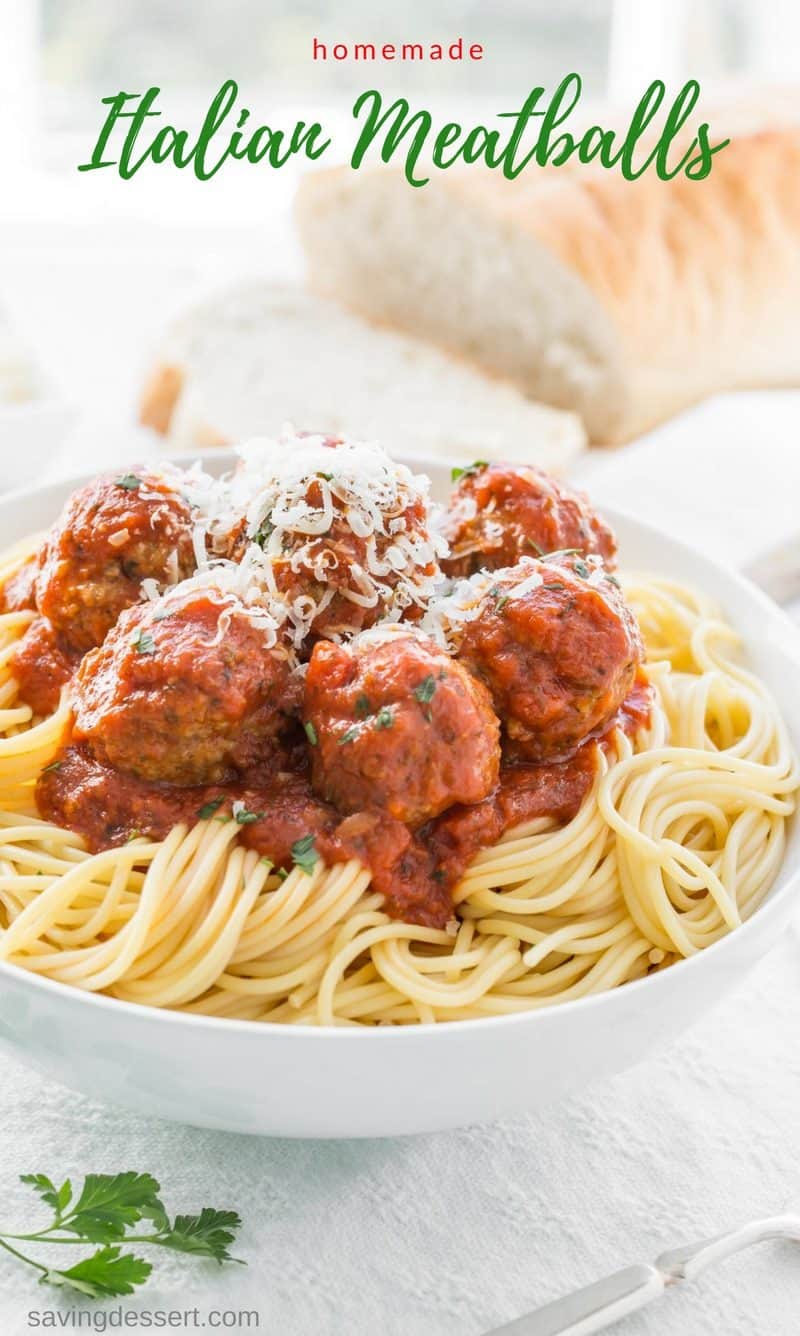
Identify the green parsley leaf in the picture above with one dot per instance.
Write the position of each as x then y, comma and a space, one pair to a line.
612, 579
457, 473
384, 718
55, 1198
264, 532
109, 1203
563, 552
426, 690
349, 736
362, 707
580, 568
327, 476
304, 855
554, 584
311, 732
129, 481
143, 642
208, 1234
208, 809
502, 599
281, 873
54, 765
244, 818
107, 1272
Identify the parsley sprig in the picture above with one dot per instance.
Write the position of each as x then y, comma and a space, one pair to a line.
467, 472
106, 1212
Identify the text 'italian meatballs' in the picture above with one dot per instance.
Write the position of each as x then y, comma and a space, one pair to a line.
395, 723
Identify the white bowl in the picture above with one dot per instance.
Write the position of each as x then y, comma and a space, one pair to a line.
30, 435
307, 1082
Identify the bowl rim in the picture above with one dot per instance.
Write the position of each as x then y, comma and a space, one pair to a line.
772, 907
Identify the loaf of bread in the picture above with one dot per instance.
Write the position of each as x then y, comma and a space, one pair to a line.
252, 358
624, 301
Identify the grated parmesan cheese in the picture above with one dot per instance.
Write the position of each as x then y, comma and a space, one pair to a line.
282, 501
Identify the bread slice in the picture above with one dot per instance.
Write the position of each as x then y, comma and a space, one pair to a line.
624, 301
252, 358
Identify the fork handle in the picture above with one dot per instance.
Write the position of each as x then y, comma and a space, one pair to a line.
593, 1308
598, 1305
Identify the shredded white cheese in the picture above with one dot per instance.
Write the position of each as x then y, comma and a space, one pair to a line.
291, 503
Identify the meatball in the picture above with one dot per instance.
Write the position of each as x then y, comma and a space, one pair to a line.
558, 648
344, 528
499, 513
395, 723
113, 533
184, 690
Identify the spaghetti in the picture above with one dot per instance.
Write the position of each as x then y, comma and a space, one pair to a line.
677, 841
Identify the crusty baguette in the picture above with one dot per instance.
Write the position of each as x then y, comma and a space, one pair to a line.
251, 358
622, 300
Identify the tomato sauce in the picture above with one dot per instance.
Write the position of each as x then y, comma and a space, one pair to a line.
415, 870
42, 664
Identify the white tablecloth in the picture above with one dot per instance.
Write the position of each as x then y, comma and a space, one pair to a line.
450, 1234
447, 1235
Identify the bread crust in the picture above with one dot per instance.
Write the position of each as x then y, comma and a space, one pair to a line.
160, 396
698, 282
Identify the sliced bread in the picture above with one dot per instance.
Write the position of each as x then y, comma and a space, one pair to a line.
252, 358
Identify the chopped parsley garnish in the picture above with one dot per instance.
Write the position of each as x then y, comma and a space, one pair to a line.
554, 584
540, 552
281, 873
327, 476
612, 579
362, 707
143, 642
304, 855
384, 718
563, 552
580, 568
244, 818
129, 481
349, 736
208, 809
264, 532
311, 732
426, 690
457, 473
54, 765
501, 599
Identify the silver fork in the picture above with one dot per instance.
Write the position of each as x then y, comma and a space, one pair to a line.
596, 1306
